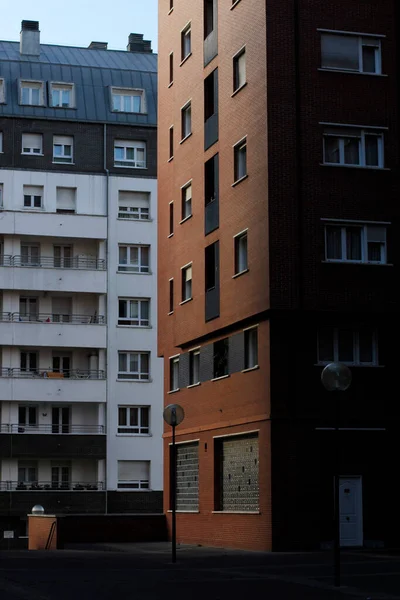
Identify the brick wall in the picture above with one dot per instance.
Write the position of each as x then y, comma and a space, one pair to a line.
39, 527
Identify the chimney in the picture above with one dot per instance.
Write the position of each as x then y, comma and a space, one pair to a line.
30, 38
98, 45
136, 43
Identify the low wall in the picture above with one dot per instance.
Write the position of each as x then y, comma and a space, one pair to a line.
39, 528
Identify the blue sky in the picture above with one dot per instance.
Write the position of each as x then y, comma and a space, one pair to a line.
78, 22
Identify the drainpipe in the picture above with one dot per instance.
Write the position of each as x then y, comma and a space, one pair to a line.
108, 212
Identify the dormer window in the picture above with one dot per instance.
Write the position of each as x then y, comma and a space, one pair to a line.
127, 100
32, 93
62, 95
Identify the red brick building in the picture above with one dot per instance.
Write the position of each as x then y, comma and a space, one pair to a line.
278, 206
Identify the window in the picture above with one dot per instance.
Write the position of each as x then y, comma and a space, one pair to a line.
65, 200
186, 42
130, 154
27, 472
210, 267
63, 256
133, 312
355, 243
63, 149
1, 142
237, 470
241, 264
60, 474
133, 474
194, 367
348, 345
240, 160
171, 295
33, 196
134, 259
62, 95
171, 142
186, 283
171, 4
1, 196
353, 146
27, 415
32, 143
171, 218
2, 91
127, 100
239, 70
211, 109
251, 348
360, 54
171, 68
133, 365
174, 374
186, 201
186, 114
133, 419
28, 308
208, 17
32, 93
221, 352
30, 255
29, 362
134, 205
187, 477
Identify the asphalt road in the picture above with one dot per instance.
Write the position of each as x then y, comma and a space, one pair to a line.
144, 571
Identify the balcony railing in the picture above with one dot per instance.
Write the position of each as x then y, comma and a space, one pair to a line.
51, 486
53, 318
52, 429
52, 262
49, 374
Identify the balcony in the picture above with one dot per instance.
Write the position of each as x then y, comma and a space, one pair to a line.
77, 385
47, 329
74, 274
53, 224
52, 429
51, 486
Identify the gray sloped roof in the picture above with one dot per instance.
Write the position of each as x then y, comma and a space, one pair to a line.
92, 72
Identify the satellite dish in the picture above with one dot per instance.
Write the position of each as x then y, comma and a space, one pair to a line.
173, 414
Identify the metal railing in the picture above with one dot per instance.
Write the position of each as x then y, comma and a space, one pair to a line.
23, 486
54, 318
53, 262
52, 429
50, 374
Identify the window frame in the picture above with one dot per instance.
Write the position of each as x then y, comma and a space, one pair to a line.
63, 159
171, 69
128, 375
127, 321
250, 348
238, 238
37, 85
237, 154
31, 205
362, 132
186, 203
218, 343
32, 147
61, 86
236, 70
171, 295
3, 97
123, 429
187, 284
361, 39
129, 267
186, 120
1, 142
343, 226
134, 485
174, 373
192, 354
356, 362
129, 145
126, 92
186, 36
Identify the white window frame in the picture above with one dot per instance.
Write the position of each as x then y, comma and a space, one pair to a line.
363, 241
186, 39
138, 375
61, 86
192, 375
131, 322
239, 150
132, 208
250, 348
31, 84
364, 39
134, 484
127, 429
121, 93
356, 350
186, 204
187, 282
2, 91
174, 373
29, 148
238, 250
31, 205
237, 83
63, 141
186, 120
131, 267
125, 162
343, 132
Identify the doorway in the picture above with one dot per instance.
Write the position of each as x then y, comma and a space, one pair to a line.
62, 364
351, 511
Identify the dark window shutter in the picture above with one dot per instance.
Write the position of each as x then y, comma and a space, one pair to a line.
184, 370
236, 352
206, 362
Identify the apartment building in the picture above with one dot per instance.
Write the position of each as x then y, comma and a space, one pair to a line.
80, 384
278, 155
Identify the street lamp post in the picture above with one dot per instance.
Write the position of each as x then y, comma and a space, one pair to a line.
173, 415
336, 377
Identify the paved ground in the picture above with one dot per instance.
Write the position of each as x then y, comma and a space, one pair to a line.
144, 571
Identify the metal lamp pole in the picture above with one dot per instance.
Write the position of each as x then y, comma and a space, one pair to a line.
336, 377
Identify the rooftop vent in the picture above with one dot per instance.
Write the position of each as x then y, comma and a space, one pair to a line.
30, 38
98, 45
136, 43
